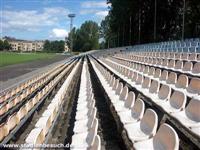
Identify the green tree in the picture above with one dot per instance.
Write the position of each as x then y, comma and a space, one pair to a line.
1, 45
6, 45
132, 21
54, 46
86, 38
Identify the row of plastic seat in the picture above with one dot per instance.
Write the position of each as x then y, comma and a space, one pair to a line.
140, 127
171, 101
86, 124
5, 107
31, 84
188, 45
181, 82
45, 123
166, 55
16, 118
187, 67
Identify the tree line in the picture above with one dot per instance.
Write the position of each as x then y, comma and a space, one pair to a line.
54, 46
4, 45
142, 21
85, 38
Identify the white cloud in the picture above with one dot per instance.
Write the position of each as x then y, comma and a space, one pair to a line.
95, 8
102, 14
94, 4
59, 33
88, 11
32, 20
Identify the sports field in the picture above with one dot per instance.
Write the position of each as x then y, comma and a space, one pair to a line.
9, 58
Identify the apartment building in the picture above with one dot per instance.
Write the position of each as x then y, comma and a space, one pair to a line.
24, 45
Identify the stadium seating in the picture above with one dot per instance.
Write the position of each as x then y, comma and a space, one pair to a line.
86, 124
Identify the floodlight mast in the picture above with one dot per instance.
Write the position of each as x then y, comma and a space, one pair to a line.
71, 16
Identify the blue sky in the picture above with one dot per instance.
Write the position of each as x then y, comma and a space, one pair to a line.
47, 19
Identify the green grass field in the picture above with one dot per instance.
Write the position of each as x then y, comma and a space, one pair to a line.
9, 58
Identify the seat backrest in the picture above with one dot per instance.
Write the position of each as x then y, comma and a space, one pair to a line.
165, 63
115, 86
196, 68
92, 117
119, 88
172, 78
151, 71
137, 110
154, 87
149, 122
179, 64
157, 73
134, 77
92, 133
184, 56
139, 79
123, 93
164, 92
164, 75
112, 84
97, 143
192, 110
187, 66
194, 86
146, 82
3, 130
171, 63
146, 70
193, 56
166, 138
182, 81
12, 121
130, 100
178, 100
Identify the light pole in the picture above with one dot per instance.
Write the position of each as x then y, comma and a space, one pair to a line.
155, 19
183, 26
71, 16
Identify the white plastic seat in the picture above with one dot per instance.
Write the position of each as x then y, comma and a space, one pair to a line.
190, 116
12, 121
154, 87
143, 129
133, 115
36, 136
122, 96
165, 139
146, 83
84, 125
3, 130
157, 73
22, 112
164, 75
176, 102
163, 94
194, 86
196, 68
179, 65
97, 143
172, 78
83, 114
3, 109
117, 92
84, 105
86, 139
128, 103
44, 123
187, 66
182, 81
